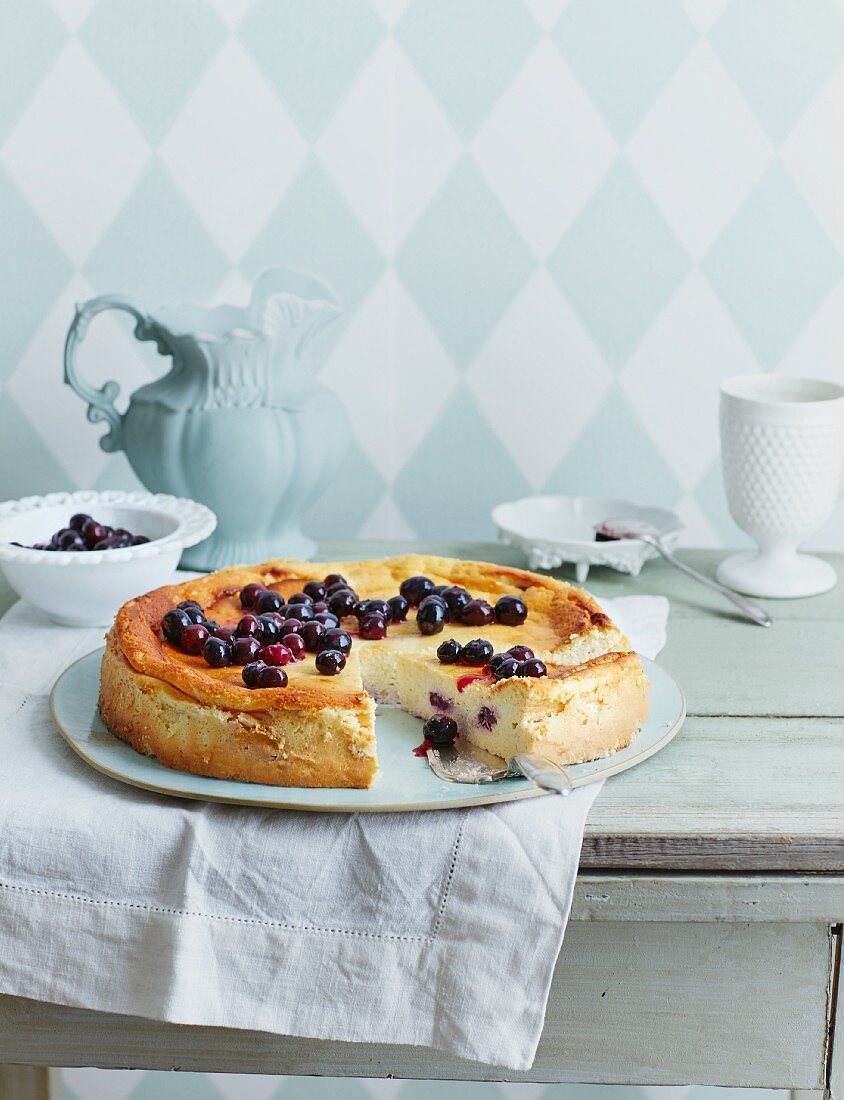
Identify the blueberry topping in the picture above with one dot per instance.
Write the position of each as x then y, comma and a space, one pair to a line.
315, 590
373, 627
251, 672
449, 651
271, 676
194, 638
440, 730
456, 598
338, 639
342, 602
312, 633
330, 661
300, 597
269, 628
249, 595
511, 610
248, 627
398, 608
532, 667
415, 589
217, 652
276, 654
431, 618
173, 623
245, 650
268, 601
295, 644
505, 668
477, 613
334, 579
521, 652
477, 652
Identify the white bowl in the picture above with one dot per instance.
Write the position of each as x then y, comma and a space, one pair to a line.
553, 530
87, 588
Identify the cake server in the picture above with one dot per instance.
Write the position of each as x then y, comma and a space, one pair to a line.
466, 764
646, 532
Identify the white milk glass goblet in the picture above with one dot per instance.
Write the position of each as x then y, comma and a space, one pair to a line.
782, 450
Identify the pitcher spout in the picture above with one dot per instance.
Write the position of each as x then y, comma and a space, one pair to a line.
292, 308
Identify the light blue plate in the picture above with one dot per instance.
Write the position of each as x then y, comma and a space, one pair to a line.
404, 782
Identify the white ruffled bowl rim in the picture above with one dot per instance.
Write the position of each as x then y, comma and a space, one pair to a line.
194, 522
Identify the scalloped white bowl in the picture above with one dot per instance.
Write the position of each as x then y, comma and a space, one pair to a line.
86, 589
556, 529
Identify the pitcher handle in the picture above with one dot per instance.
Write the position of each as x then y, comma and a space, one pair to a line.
100, 401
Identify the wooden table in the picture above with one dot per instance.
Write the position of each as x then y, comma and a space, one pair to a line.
705, 941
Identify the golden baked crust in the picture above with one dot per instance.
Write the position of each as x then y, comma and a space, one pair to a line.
317, 731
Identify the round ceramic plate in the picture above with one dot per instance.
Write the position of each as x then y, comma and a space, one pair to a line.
404, 782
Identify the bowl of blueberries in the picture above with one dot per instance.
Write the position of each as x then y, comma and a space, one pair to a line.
79, 556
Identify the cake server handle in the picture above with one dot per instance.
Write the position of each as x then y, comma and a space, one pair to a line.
543, 772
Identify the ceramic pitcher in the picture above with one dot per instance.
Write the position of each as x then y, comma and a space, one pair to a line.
238, 422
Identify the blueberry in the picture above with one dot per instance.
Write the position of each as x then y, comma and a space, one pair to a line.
291, 626
532, 667
511, 610
311, 634
224, 632
249, 595
139, 540
217, 652
342, 602
330, 661
326, 618
193, 638
314, 589
193, 610
338, 639
373, 627
337, 586
245, 650
271, 676
73, 542
251, 672
374, 607
477, 652
440, 730
334, 579
248, 627
521, 652
433, 597
505, 668
268, 601
78, 521
93, 533
440, 701
269, 629
398, 608
300, 597
450, 651
295, 644
276, 654
477, 613
104, 544
303, 611
173, 623
414, 589
496, 659
456, 598
430, 619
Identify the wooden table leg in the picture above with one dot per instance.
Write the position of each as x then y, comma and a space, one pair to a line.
30, 1083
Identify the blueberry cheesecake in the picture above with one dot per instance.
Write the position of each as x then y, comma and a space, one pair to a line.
271, 673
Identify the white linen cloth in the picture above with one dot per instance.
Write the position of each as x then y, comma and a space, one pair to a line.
438, 929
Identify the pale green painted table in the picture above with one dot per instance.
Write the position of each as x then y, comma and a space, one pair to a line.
704, 945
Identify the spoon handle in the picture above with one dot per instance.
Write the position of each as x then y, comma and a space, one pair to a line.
747, 607
543, 772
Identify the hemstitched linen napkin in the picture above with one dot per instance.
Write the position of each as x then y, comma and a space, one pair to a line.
437, 929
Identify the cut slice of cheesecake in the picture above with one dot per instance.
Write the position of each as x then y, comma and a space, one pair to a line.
575, 713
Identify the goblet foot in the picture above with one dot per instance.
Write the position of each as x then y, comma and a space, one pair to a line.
782, 575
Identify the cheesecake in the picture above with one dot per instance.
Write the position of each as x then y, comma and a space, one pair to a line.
208, 676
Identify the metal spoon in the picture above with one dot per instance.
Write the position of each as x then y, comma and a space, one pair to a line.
464, 763
646, 532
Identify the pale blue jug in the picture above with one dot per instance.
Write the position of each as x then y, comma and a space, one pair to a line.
238, 422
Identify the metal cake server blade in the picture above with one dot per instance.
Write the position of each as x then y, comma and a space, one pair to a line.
467, 764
